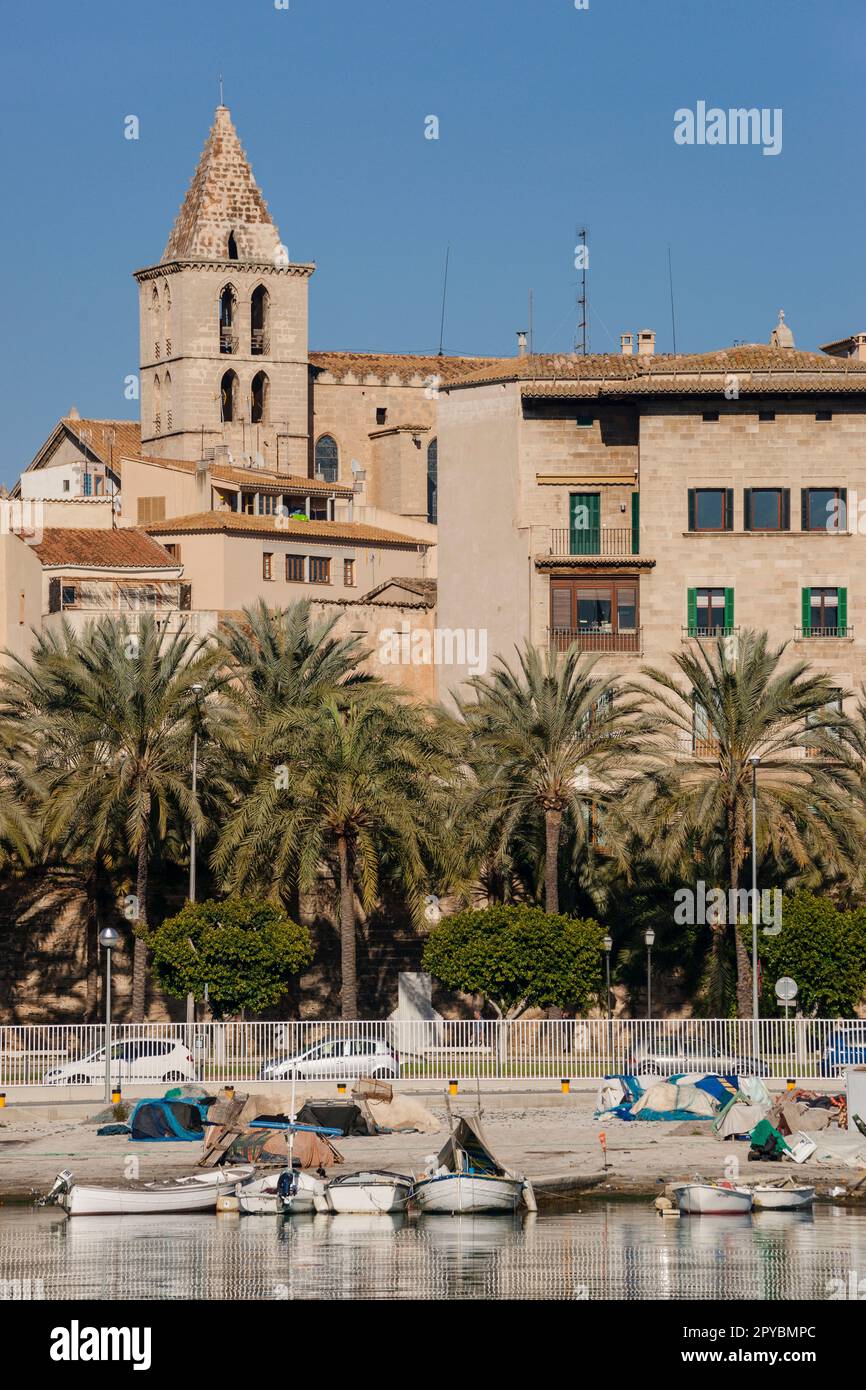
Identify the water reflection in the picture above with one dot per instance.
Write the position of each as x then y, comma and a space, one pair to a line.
618, 1251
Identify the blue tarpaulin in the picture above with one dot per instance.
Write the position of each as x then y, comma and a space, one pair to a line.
721, 1088
163, 1121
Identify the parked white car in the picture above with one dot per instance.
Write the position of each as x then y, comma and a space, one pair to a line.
337, 1058
135, 1059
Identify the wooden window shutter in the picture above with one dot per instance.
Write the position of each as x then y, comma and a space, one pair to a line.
560, 607
54, 595
692, 611
691, 509
747, 509
842, 618
729, 509
786, 509
804, 509
729, 609
806, 611
185, 598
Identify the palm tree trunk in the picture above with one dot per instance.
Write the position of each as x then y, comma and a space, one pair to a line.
348, 963
552, 827
744, 970
139, 959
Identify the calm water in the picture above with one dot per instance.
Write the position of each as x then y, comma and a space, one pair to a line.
615, 1250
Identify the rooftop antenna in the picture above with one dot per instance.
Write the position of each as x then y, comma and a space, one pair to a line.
221, 89
673, 315
444, 292
582, 256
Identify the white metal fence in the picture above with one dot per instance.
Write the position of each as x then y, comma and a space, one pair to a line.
73, 1054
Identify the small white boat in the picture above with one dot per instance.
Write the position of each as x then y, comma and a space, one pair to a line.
769, 1197
279, 1193
465, 1177
365, 1193
712, 1199
198, 1192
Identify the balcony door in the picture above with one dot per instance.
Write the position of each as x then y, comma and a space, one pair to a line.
584, 523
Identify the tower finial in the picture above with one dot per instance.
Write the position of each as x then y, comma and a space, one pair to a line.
221, 90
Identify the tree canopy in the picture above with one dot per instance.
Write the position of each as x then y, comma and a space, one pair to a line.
823, 949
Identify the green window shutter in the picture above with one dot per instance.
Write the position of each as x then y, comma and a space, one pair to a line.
804, 509
786, 509
692, 611
584, 523
843, 611
635, 523
747, 509
806, 611
729, 609
691, 509
729, 509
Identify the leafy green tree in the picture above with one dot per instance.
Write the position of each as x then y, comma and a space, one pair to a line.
550, 740
351, 784
823, 949
518, 957
243, 949
737, 702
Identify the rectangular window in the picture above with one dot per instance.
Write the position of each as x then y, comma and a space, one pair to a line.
67, 595
832, 707
766, 415
248, 503
267, 504
705, 742
349, 573
711, 509
381, 415
767, 509
598, 614
823, 415
320, 570
267, 565
710, 417
585, 422
150, 509
173, 549
65, 484
295, 569
824, 508
825, 612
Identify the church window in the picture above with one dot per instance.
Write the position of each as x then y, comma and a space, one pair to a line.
157, 406
327, 459
232, 247
166, 400
432, 480
259, 393
228, 397
228, 314
259, 307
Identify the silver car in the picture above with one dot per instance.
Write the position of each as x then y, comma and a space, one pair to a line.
337, 1058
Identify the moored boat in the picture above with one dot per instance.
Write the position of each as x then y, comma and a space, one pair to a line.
770, 1197
367, 1192
278, 1193
197, 1192
465, 1177
712, 1199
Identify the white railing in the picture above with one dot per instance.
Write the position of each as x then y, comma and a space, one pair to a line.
71, 1054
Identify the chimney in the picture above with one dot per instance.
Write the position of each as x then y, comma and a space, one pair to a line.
626, 344
646, 342
521, 342
858, 346
202, 485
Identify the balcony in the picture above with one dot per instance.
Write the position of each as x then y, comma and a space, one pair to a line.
709, 634
261, 343
594, 540
806, 634
228, 340
589, 639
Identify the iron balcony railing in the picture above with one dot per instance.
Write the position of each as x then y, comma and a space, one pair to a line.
806, 633
228, 340
594, 540
590, 639
718, 630
260, 343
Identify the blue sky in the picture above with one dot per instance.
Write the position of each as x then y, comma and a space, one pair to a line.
549, 117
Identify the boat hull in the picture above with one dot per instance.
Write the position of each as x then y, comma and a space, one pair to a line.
452, 1193
381, 1196
711, 1199
261, 1196
783, 1198
199, 1192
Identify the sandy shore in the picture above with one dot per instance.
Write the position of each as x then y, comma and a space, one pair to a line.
550, 1137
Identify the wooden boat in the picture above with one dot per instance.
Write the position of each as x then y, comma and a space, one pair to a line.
467, 1178
278, 1193
712, 1199
782, 1196
370, 1191
198, 1192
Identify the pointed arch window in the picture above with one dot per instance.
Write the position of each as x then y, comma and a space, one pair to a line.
259, 307
157, 405
327, 459
432, 480
155, 316
259, 393
166, 402
228, 398
166, 317
228, 317
232, 247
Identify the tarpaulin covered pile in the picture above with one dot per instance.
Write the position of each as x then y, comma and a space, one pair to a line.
685, 1096
168, 1120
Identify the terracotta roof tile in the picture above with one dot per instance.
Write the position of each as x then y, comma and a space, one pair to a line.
404, 366
107, 439
265, 478
124, 548
425, 589
238, 524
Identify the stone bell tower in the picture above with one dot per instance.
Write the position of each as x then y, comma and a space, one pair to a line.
224, 324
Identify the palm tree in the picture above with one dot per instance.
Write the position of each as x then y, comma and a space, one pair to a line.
114, 711
550, 741
737, 702
363, 787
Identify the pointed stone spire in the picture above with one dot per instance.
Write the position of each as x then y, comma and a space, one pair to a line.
223, 202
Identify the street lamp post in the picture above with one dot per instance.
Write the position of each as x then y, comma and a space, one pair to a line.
649, 937
607, 943
108, 939
196, 690
754, 760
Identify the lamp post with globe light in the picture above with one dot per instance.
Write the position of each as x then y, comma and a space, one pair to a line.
109, 940
649, 937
